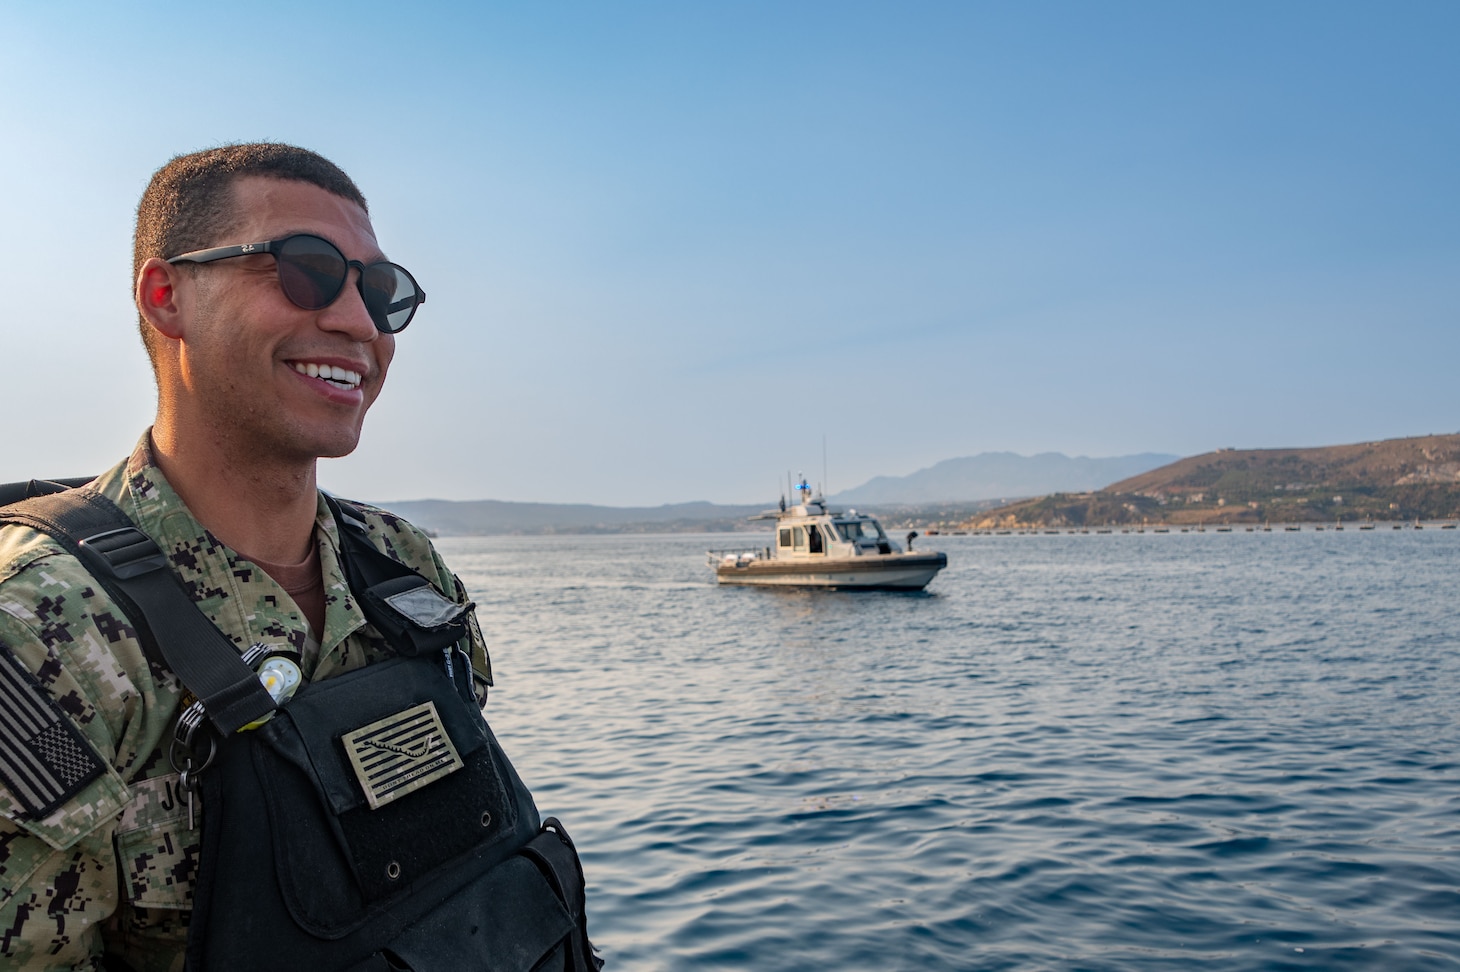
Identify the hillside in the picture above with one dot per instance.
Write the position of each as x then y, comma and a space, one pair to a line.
1389, 463
1413, 478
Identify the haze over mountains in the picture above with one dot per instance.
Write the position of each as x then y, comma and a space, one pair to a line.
1001, 475
988, 476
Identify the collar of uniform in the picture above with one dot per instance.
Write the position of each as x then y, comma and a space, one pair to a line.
342, 614
236, 595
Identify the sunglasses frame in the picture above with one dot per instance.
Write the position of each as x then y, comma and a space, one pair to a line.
273, 246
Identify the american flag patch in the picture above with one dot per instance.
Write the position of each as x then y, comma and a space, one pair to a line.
401, 753
44, 759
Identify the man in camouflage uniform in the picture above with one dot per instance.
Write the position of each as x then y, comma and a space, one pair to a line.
252, 390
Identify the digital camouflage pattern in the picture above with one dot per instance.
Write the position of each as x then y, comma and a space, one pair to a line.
113, 869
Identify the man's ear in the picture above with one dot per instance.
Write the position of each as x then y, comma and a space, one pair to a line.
159, 299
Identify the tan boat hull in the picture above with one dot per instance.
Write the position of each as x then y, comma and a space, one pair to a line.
888, 572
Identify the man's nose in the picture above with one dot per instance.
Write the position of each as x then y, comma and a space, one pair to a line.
348, 314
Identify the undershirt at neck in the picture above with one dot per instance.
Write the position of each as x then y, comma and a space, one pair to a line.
304, 582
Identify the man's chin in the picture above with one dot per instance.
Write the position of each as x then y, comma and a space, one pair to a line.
325, 444
337, 450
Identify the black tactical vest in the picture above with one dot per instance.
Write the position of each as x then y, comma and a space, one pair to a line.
373, 822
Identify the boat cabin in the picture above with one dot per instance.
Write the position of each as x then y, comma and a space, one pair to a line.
809, 529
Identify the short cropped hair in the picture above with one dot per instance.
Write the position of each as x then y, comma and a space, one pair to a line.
189, 201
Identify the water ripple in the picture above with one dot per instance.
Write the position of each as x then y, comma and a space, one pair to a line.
1231, 751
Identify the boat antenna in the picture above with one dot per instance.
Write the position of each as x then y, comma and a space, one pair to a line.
825, 479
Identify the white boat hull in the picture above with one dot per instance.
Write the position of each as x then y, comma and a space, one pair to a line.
894, 572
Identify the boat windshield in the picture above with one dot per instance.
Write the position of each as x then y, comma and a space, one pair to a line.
854, 530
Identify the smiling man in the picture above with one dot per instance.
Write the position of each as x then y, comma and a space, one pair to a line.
361, 815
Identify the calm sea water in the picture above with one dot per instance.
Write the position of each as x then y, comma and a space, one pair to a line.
1214, 751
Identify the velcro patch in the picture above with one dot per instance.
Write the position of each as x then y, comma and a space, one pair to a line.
44, 759
400, 753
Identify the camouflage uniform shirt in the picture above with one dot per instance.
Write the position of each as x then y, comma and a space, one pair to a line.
113, 869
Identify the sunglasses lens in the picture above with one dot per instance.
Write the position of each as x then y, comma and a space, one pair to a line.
391, 296
311, 271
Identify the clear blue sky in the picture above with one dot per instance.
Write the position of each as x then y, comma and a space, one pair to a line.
670, 246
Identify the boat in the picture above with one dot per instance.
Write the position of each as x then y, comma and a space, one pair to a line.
816, 546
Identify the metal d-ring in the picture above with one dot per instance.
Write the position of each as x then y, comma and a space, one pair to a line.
180, 750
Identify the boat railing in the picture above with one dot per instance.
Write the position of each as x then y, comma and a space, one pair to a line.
738, 556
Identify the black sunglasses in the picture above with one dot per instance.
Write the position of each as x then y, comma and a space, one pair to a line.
313, 271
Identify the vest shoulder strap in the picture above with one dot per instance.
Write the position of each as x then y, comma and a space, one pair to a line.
15, 492
130, 567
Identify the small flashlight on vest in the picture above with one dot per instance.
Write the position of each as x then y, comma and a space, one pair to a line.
280, 677
278, 674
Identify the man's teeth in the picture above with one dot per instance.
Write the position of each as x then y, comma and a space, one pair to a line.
343, 377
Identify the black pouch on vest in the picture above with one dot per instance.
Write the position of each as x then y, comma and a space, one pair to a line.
414, 616
374, 821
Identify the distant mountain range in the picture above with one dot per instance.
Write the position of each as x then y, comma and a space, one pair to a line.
483, 517
973, 481
1000, 475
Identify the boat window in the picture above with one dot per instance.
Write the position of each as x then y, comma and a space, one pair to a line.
813, 537
854, 530
786, 537
798, 534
